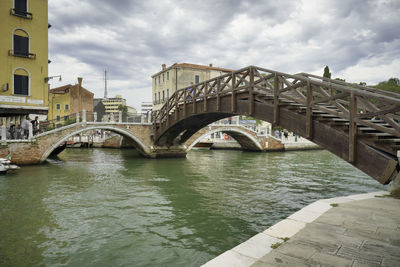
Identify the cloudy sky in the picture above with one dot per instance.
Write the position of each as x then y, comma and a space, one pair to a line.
358, 39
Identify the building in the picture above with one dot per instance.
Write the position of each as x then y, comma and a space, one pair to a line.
177, 76
112, 104
146, 109
24, 59
69, 99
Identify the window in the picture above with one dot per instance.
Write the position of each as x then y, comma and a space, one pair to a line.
196, 79
167, 93
163, 96
155, 98
159, 79
21, 8
20, 43
66, 107
21, 82
167, 75
159, 99
58, 118
58, 106
163, 80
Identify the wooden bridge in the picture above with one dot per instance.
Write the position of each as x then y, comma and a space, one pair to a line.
359, 124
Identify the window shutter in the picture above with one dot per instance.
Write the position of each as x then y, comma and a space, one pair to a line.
20, 5
21, 45
21, 83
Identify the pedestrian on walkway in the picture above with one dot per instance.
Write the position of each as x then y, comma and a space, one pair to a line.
25, 127
35, 125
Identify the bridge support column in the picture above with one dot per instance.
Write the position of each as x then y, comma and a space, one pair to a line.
395, 186
168, 152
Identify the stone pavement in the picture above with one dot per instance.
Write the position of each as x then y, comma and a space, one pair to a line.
358, 230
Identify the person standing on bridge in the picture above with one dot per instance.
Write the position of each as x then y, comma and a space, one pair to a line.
25, 127
35, 125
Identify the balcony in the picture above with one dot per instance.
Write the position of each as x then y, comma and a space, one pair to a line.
21, 54
21, 14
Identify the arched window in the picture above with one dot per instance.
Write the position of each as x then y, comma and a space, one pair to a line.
21, 82
21, 7
21, 43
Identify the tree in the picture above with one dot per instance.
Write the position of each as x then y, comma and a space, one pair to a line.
393, 85
327, 74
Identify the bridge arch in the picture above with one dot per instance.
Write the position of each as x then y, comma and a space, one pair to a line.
142, 148
243, 137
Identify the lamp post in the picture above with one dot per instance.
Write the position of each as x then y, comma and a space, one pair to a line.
46, 79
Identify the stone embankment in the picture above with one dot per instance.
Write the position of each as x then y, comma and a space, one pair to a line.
357, 230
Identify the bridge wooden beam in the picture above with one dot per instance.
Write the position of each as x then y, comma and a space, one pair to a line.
205, 96
309, 112
233, 99
218, 95
251, 92
276, 100
184, 102
352, 129
176, 107
194, 94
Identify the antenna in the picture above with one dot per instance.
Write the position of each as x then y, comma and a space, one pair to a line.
105, 83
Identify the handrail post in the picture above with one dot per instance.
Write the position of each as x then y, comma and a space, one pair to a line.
184, 102
276, 101
3, 133
94, 116
194, 98
309, 111
30, 131
352, 129
167, 112
77, 117
120, 116
84, 116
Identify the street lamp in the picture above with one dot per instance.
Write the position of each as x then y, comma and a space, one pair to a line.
46, 79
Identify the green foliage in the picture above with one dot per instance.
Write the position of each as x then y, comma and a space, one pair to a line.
276, 245
279, 128
334, 205
69, 121
392, 85
327, 73
49, 127
285, 239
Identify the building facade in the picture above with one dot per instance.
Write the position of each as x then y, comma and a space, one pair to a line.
112, 104
69, 99
24, 59
177, 76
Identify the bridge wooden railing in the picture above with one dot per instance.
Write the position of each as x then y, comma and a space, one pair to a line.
358, 105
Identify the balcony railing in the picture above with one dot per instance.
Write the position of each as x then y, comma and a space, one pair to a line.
22, 54
22, 14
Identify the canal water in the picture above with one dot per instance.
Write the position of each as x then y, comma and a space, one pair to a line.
105, 207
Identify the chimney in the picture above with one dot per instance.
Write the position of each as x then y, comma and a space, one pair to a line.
163, 66
80, 81
210, 65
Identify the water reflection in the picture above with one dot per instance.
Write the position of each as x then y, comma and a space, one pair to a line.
111, 207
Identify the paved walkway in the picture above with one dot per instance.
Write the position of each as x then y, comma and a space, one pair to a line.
358, 230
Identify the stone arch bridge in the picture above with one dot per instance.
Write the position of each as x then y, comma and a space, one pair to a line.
359, 124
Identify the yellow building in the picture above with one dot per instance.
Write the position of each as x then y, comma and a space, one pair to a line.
177, 76
24, 58
112, 104
69, 99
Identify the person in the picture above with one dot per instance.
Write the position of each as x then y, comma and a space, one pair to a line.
276, 133
12, 131
35, 125
286, 134
18, 131
25, 127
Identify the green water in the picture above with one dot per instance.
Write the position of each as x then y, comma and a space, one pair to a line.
104, 207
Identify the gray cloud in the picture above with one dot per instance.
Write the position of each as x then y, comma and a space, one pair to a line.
133, 38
